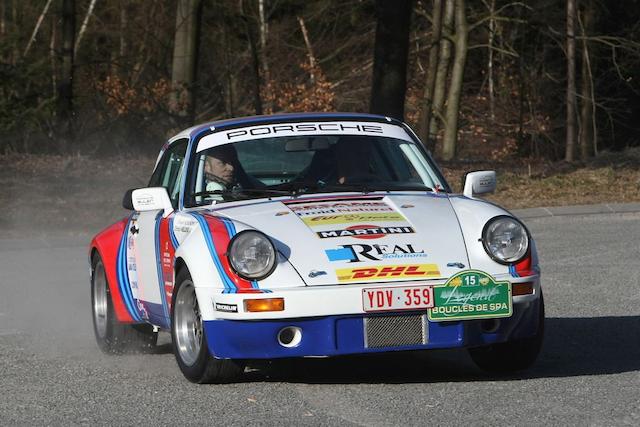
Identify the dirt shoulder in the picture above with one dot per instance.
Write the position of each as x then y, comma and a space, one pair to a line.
608, 178
44, 194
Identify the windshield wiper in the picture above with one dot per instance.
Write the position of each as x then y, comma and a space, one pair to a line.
366, 188
235, 192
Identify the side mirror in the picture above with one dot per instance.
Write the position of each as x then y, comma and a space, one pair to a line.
148, 199
127, 201
480, 182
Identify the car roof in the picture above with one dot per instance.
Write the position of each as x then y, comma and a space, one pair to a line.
280, 118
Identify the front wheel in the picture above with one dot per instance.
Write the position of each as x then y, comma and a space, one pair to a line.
111, 335
190, 342
511, 356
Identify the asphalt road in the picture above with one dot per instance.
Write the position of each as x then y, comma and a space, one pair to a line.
51, 371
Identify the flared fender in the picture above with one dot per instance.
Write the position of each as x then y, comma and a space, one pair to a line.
106, 243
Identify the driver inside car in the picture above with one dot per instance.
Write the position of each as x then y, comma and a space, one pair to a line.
220, 169
353, 158
223, 171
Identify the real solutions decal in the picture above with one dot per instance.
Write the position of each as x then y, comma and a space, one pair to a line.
471, 294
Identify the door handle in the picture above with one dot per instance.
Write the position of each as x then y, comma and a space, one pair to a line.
134, 229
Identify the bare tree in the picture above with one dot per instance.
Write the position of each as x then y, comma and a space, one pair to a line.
588, 131
490, 41
455, 87
65, 86
571, 82
262, 52
255, 59
307, 42
444, 58
3, 18
390, 58
84, 25
124, 20
425, 114
185, 54
37, 27
52, 56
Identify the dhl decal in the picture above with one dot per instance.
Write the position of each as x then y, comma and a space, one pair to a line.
347, 218
387, 272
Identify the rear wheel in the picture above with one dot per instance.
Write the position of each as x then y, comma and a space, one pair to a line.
511, 356
190, 342
111, 335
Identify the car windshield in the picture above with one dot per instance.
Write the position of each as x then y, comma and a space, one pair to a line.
297, 164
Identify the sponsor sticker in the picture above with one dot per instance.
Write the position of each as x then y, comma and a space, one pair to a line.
227, 308
365, 232
361, 252
316, 209
347, 218
386, 272
471, 294
271, 130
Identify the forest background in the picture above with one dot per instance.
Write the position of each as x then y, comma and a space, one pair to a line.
547, 92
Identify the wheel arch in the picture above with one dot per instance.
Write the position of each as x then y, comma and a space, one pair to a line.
106, 245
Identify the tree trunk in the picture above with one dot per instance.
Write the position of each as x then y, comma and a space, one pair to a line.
492, 33
3, 19
37, 27
185, 55
263, 57
15, 25
229, 77
83, 27
389, 83
255, 60
455, 88
425, 116
444, 58
588, 132
65, 86
571, 82
124, 19
52, 57
307, 42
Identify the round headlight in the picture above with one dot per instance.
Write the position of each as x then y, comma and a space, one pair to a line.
252, 255
505, 239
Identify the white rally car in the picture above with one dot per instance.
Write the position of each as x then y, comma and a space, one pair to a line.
313, 235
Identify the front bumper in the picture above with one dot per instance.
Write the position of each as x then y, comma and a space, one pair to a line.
236, 336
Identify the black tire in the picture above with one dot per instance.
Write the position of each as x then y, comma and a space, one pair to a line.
112, 336
511, 356
191, 350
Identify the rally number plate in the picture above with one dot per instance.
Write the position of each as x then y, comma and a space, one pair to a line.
397, 298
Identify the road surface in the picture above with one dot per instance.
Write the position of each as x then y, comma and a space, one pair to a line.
51, 371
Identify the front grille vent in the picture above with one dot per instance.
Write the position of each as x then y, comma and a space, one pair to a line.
394, 331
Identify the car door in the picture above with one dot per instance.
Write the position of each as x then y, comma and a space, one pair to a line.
144, 234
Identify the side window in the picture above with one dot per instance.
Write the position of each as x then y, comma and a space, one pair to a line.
168, 174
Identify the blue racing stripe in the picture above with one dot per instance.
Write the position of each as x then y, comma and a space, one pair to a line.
123, 276
229, 286
512, 270
231, 229
172, 236
163, 294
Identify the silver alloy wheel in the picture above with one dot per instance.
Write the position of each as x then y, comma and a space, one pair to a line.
187, 323
100, 300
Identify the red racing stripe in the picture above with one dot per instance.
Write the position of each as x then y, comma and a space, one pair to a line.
221, 241
167, 256
523, 268
107, 243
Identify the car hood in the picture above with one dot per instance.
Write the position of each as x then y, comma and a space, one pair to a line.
359, 239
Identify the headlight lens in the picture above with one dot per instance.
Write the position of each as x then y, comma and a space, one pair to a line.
252, 255
505, 239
